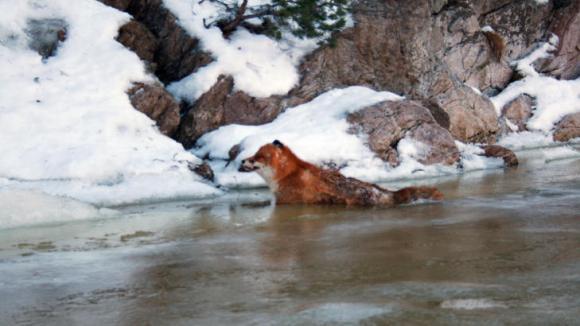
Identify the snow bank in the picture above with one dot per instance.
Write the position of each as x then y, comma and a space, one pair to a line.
21, 208
66, 125
554, 98
318, 132
259, 65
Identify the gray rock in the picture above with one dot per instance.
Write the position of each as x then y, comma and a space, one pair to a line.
566, 25
568, 128
386, 123
45, 35
519, 111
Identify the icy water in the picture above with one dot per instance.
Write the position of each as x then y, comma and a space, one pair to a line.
504, 248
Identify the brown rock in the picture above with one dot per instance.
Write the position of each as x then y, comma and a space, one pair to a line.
509, 157
157, 104
566, 25
519, 111
386, 123
138, 39
118, 4
521, 23
221, 106
203, 170
178, 54
568, 128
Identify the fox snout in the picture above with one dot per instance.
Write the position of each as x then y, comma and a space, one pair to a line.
248, 165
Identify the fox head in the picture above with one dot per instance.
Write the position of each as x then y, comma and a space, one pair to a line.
270, 162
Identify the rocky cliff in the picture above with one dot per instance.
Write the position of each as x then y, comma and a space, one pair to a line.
445, 56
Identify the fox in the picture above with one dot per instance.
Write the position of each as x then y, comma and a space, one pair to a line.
295, 181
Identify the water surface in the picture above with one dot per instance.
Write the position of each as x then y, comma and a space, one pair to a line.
502, 248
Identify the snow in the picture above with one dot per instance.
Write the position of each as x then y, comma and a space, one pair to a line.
487, 28
554, 98
67, 126
317, 132
471, 304
259, 65
22, 208
472, 159
524, 65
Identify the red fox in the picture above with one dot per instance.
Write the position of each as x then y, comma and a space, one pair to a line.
294, 181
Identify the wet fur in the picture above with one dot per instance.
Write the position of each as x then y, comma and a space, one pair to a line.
294, 181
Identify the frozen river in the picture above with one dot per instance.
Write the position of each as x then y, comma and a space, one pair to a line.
504, 247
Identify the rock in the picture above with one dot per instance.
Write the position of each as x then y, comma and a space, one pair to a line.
138, 39
472, 117
566, 25
429, 51
234, 152
386, 123
117, 4
519, 111
568, 128
203, 170
221, 105
521, 23
45, 35
509, 157
178, 54
474, 57
157, 104
390, 38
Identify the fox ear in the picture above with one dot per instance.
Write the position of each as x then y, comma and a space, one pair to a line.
277, 143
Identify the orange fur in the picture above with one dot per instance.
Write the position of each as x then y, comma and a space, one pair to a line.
295, 181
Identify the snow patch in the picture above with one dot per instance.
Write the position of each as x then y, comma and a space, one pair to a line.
472, 158
319, 133
554, 98
259, 65
67, 126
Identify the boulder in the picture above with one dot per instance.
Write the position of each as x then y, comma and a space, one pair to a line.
157, 104
386, 123
565, 63
178, 54
138, 39
509, 157
521, 23
117, 4
203, 170
221, 105
471, 116
519, 111
568, 128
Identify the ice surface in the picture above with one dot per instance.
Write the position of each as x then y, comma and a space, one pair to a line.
22, 207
